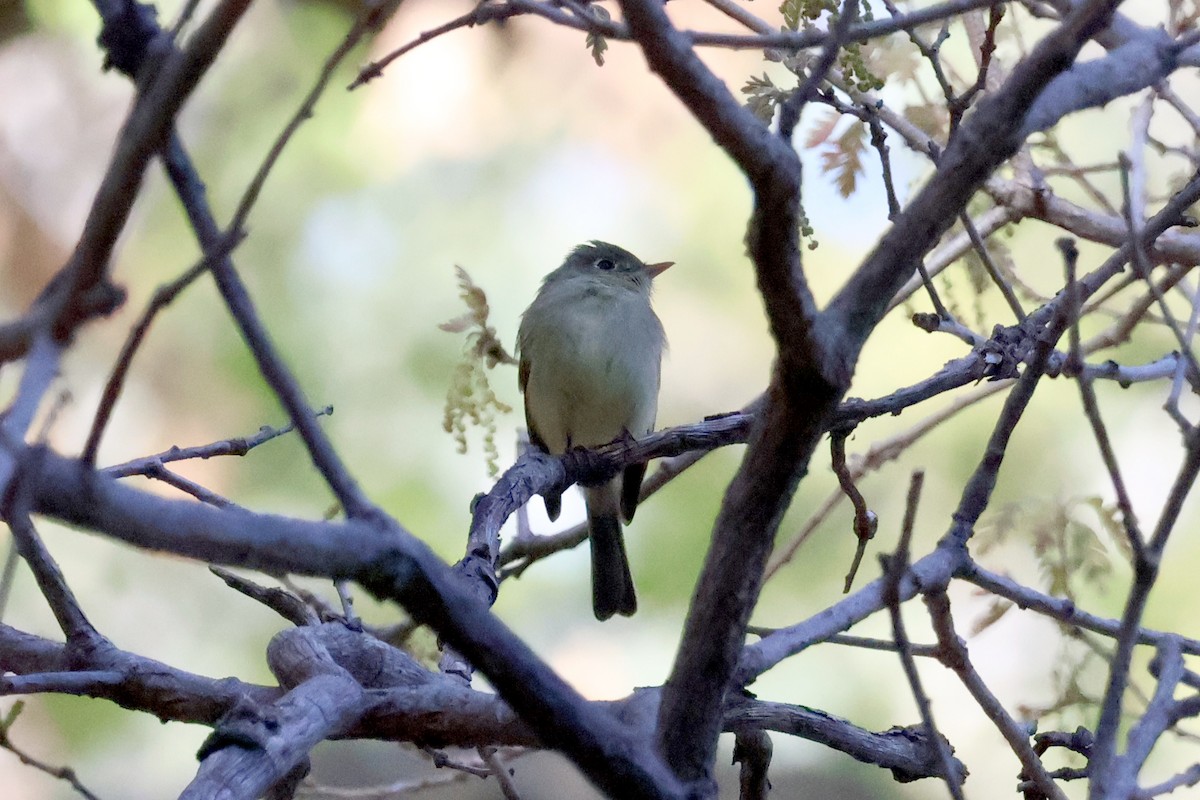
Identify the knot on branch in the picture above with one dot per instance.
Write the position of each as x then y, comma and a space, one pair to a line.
931, 764
1079, 741
1003, 352
478, 575
126, 37
394, 576
592, 467
246, 725
102, 299
73, 307
927, 321
98, 301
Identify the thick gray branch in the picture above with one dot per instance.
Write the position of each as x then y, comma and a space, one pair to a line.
391, 564
1135, 65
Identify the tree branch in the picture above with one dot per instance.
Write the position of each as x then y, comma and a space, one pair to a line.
391, 564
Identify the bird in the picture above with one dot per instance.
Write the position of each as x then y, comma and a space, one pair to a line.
590, 351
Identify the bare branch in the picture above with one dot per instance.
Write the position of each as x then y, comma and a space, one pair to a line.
143, 133
906, 752
894, 567
1105, 766
61, 773
1062, 609
954, 655
752, 749
865, 521
1129, 68
391, 564
226, 447
1092, 408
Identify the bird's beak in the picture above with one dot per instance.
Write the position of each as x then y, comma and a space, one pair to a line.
657, 269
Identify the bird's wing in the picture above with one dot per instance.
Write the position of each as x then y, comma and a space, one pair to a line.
522, 383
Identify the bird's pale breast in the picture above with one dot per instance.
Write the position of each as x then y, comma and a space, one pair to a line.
590, 380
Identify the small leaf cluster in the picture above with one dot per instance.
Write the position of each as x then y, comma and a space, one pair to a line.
470, 399
797, 11
854, 67
852, 59
807, 231
762, 96
596, 41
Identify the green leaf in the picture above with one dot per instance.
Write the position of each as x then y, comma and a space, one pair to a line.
759, 85
762, 95
596, 41
793, 12
597, 44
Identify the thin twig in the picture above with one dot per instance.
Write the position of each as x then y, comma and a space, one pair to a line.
391, 791
1141, 262
8, 575
241, 306
225, 447
895, 567
483, 12
1189, 777
865, 520
370, 18
501, 772
1145, 574
146, 128
442, 760
876, 456
185, 16
161, 473
1091, 406
950, 251
61, 773
955, 656
781, 40
1062, 610
789, 110
1172, 402
70, 616
920, 650
989, 265
1161, 714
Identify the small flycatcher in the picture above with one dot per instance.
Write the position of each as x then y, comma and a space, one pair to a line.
590, 350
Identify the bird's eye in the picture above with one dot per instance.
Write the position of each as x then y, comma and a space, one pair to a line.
604, 264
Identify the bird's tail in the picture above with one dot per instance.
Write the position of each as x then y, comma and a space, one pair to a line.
612, 583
